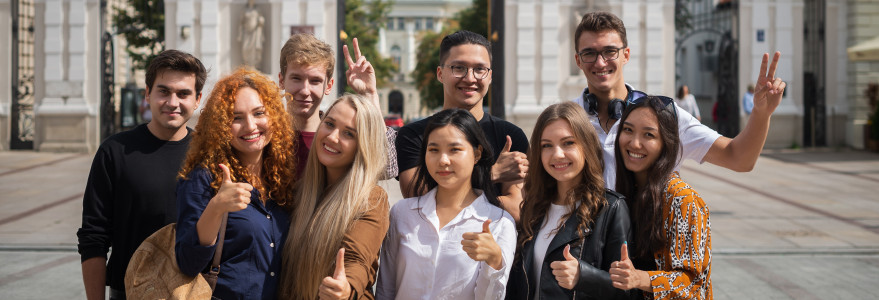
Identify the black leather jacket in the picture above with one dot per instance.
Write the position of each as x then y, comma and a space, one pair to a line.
600, 248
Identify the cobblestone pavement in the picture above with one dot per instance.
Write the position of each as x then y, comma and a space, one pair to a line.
801, 225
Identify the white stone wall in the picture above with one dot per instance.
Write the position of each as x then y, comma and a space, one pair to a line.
5, 73
863, 24
68, 70
540, 53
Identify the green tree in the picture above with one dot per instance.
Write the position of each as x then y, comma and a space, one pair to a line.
473, 18
142, 24
363, 23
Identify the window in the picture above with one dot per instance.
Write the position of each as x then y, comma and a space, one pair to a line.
417, 23
400, 25
428, 23
390, 23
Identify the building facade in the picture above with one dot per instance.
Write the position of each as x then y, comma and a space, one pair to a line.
54, 96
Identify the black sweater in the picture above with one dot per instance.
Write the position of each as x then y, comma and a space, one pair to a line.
130, 193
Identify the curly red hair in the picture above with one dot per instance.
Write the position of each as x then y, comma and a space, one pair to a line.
211, 141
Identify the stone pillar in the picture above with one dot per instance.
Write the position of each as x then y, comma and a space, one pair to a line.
65, 120
524, 109
634, 72
185, 17
5, 74
209, 41
314, 15
549, 53
409, 65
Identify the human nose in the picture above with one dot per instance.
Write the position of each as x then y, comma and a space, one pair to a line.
600, 60
557, 152
469, 75
173, 100
444, 160
334, 135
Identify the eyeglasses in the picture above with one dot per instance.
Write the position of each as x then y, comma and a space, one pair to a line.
461, 71
591, 56
666, 102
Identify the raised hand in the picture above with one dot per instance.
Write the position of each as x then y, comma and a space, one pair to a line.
337, 286
481, 246
769, 89
232, 196
567, 271
360, 74
510, 166
624, 275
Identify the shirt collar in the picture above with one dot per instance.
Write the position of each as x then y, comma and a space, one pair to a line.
479, 209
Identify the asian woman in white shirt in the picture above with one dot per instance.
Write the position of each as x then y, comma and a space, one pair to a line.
455, 242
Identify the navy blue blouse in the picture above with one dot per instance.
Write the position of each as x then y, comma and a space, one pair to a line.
251, 261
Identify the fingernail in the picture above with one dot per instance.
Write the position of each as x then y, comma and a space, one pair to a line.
625, 243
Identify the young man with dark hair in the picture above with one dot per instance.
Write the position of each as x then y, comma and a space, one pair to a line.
601, 52
465, 72
131, 189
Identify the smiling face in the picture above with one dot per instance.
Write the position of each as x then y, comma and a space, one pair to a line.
640, 142
336, 140
450, 157
307, 86
603, 76
251, 129
467, 92
172, 100
561, 154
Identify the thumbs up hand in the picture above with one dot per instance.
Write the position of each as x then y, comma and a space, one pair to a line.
567, 271
481, 246
337, 286
232, 196
510, 166
624, 275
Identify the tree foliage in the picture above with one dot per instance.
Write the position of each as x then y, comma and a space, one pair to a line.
142, 24
363, 23
474, 18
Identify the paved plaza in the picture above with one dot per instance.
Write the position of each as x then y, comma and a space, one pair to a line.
801, 225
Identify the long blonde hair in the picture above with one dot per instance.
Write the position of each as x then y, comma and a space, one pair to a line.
323, 214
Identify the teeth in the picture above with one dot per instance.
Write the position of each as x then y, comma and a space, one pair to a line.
635, 155
331, 150
561, 166
252, 136
603, 73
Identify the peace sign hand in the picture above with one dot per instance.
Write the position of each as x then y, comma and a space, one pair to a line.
769, 89
360, 74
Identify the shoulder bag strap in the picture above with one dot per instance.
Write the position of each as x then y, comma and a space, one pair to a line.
215, 264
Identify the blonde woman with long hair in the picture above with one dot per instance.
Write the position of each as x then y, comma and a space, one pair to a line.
341, 215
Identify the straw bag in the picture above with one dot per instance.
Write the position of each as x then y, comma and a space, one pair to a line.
153, 273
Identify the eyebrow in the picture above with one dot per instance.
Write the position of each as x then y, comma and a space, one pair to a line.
461, 63
608, 47
646, 128
569, 137
450, 144
162, 86
346, 127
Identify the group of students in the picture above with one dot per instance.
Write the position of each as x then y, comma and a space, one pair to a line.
592, 208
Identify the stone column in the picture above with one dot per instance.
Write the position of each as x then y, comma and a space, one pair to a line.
549, 53
185, 17
409, 65
524, 109
5, 74
64, 120
634, 72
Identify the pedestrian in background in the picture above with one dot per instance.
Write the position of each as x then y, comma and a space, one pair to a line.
131, 187
748, 100
688, 102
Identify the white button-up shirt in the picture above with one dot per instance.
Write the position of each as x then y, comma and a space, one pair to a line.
420, 260
696, 140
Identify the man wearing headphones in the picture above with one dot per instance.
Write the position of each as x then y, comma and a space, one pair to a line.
602, 51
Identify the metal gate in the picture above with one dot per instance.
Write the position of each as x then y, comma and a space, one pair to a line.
108, 106
716, 24
22, 119
814, 98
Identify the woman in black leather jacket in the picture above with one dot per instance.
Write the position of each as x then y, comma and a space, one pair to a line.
571, 228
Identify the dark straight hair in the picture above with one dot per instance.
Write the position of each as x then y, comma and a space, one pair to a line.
462, 37
645, 203
176, 60
465, 122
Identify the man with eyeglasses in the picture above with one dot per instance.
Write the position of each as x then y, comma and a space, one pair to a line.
602, 51
465, 72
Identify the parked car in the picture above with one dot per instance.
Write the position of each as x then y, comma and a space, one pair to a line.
394, 121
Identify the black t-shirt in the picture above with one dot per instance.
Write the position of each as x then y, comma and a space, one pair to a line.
496, 131
130, 193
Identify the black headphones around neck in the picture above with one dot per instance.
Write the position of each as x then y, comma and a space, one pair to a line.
615, 107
